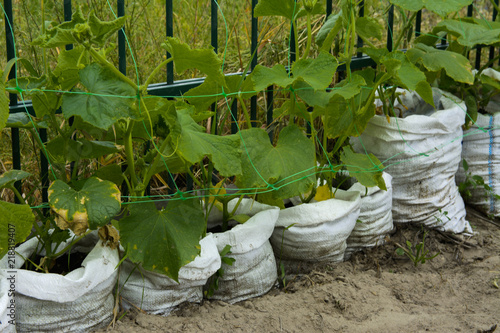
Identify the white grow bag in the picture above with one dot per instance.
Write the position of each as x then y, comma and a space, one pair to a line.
157, 293
254, 271
79, 301
375, 216
421, 151
320, 229
481, 150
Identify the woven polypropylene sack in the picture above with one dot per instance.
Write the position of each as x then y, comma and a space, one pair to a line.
421, 149
158, 294
254, 271
319, 231
79, 301
375, 217
481, 150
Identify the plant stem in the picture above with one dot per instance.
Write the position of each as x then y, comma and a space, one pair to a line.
405, 30
71, 244
129, 152
495, 5
245, 111
309, 37
296, 37
17, 194
155, 71
225, 215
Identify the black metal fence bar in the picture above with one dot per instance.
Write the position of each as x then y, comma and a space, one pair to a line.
9, 38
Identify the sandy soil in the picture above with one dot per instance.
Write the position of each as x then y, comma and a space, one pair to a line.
375, 291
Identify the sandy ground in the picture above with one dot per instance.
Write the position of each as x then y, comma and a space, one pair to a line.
375, 291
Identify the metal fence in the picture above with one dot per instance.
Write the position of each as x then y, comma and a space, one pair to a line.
177, 88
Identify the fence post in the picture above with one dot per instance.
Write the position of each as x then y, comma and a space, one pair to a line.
11, 53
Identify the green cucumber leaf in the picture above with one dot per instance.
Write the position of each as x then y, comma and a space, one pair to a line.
368, 27
343, 119
194, 144
8, 178
63, 150
408, 75
205, 60
317, 72
310, 96
313, 7
285, 8
79, 30
112, 173
69, 64
290, 108
289, 166
455, 65
108, 100
45, 103
163, 240
440, 7
62, 34
365, 168
102, 30
469, 34
91, 207
350, 87
329, 30
211, 91
376, 54
21, 120
262, 77
16, 222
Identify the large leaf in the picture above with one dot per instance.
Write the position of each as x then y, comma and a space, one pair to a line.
329, 31
112, 172
102, 30
108, 99
469, 34
159, 121
368, 27
63, 150
62, 34
204, 60
284, 8
289, 166
440, 7
79, 30
194, 144
16, 222
21, 120
408, 75
211, 91
45, 103
93, 206
342, 118
365, 168
456, 66
262, 77
317, 72
69, 64
10, 177
163, 240
4, 104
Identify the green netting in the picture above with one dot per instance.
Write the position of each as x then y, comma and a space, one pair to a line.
228, 98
